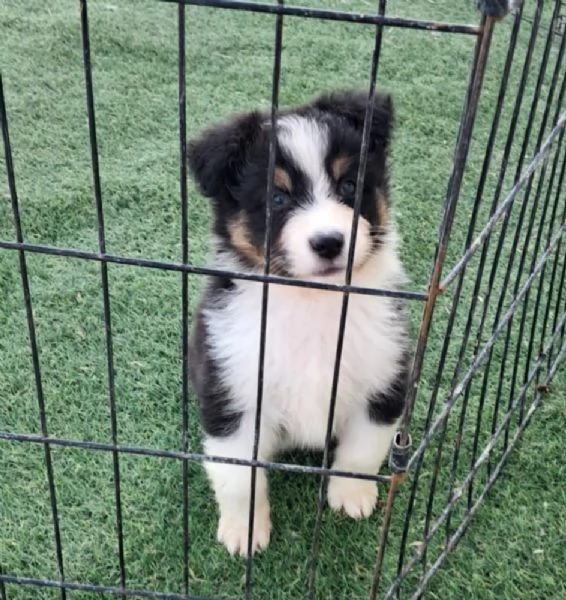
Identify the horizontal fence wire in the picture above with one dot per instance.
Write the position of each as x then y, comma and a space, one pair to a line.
163, 265
101, 589
190, 456
333, 15
542, 222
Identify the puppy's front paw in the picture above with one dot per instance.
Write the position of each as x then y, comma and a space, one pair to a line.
233, 532
356, 497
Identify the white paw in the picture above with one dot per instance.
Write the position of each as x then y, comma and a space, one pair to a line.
356, 497
233, 532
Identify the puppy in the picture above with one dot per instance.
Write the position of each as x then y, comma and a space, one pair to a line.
317, 158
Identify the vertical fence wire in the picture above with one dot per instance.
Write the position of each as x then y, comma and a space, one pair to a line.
276, 76
497, 194
477, 285
32, 337
532, 205
182, 100
478, 69
499, 186
475, 295
479, 62
453, 191
484, 456
364, 149
529, 378
3, 594
105, 287
538, 239
562, 278
518, 231
551, 223
562, 285
558, 69
387, 515
459, 532
456, 301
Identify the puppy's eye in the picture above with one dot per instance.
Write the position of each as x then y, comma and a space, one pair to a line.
280, 199
347, 188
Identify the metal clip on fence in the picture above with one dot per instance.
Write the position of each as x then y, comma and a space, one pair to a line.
497, 9
399, 454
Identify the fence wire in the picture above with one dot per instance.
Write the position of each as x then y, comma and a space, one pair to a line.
502, 294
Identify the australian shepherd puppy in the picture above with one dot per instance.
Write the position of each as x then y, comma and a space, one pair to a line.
317, 158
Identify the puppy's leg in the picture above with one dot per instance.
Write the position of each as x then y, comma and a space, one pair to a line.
232, 487
363, 445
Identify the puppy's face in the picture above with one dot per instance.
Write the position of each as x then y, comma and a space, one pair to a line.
317, 160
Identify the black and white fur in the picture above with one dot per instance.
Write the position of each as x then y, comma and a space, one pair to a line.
317, 158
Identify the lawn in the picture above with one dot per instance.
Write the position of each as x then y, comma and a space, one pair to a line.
515, 547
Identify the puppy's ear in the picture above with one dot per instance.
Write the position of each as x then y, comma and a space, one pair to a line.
351, 106
217, 156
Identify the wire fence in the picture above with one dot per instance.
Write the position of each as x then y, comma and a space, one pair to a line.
500, 294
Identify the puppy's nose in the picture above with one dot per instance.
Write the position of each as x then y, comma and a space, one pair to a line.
327, 245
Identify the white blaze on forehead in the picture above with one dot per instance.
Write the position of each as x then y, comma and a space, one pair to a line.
306, 143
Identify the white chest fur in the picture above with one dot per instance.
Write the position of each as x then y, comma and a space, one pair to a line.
300, 350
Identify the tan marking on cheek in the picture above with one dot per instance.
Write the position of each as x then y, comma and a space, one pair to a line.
339, 167
382, 208
282, 180
241, 240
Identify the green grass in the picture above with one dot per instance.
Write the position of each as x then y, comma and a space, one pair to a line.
515, 547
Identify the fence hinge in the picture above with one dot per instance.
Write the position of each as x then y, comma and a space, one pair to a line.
498, 9
399, 454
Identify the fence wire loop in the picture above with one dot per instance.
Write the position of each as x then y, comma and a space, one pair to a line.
400, 453
497, 9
